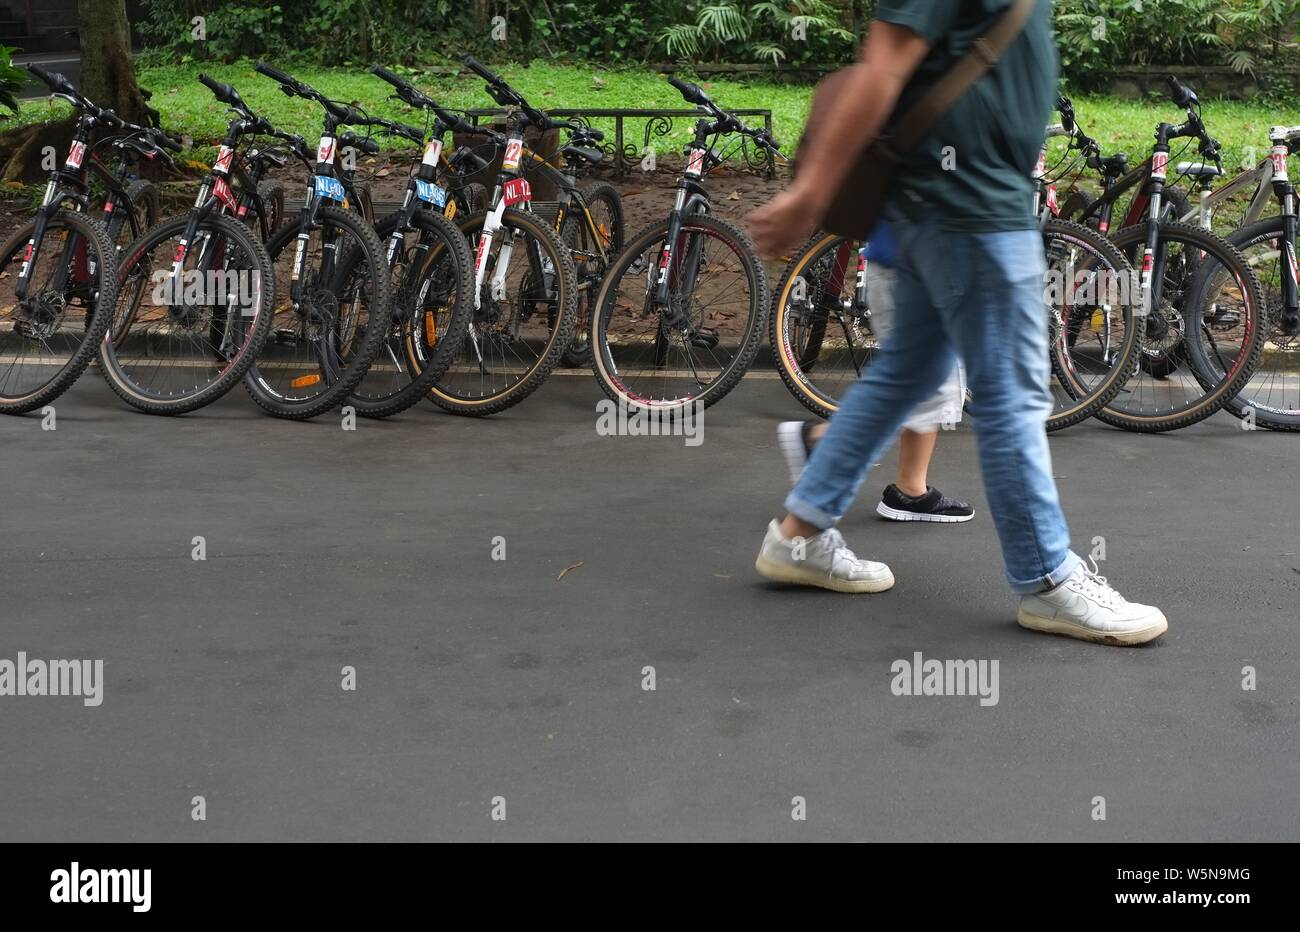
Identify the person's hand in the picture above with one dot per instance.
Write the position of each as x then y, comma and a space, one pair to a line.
782, 223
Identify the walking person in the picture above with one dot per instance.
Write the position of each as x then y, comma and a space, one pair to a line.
970, 271
910, 497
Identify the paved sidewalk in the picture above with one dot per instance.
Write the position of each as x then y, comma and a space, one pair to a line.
478, 678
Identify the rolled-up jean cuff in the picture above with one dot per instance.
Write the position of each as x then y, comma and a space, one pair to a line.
805, 512
1051, 580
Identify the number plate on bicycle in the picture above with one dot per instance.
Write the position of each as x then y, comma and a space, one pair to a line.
428, 191
516, 190
329, 187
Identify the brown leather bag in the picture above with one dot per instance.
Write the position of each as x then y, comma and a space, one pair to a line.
856, 208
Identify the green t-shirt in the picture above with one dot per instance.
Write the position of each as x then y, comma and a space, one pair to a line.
974, 166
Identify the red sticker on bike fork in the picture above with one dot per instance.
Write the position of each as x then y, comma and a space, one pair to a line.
695, 165
511, 160
1278, 155
76, 154
224, 157
1159, 164
663, 262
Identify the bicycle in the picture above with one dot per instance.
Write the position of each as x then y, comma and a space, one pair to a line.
212, 294
523, 314
324, 340
1202, 303
57, 282
681, 312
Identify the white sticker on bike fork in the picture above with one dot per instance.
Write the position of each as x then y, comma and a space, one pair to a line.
297, 257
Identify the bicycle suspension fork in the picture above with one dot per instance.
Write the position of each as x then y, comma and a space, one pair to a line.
1290, 321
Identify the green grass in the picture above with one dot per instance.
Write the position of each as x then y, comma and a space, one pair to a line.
189, 108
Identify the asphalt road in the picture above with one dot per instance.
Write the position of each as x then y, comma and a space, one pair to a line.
479, 678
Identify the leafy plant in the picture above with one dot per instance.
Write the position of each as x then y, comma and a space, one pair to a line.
12, 79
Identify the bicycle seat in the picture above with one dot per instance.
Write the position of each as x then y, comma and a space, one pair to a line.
137, 145
1198, 169
591, 155
269, 157
1116, 164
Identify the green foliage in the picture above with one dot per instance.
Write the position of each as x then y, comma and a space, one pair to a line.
767, 31
1097, 35
11, 79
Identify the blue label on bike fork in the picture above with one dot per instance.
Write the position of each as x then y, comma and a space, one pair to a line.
428, 191
331, 188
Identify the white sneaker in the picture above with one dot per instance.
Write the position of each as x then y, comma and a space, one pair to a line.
792, 438
821, 560
1086, 607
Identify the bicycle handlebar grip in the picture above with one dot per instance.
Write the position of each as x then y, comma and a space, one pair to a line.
274, 74
53, 79
482, 70
693, 93
383, 73
1178, 91
170, 142
223, 92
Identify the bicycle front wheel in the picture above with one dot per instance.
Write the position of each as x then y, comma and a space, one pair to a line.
431, 285
329, 324
695, 350
1272, 395
189, 318
1095, 324
1211, 300
524, 320
48, 337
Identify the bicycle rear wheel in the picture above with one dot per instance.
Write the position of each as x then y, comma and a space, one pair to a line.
588, 247
719, 292
48, 338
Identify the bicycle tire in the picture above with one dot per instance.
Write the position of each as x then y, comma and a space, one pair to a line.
96, 326
566, 310
444, 347
1284, 346
366, 249
1215, 396
720, 386
110, 365
790, 369
1088, 401
573, 229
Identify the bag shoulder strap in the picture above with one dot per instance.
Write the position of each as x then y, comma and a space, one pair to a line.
983, 55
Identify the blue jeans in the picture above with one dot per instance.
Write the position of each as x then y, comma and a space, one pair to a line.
979, 295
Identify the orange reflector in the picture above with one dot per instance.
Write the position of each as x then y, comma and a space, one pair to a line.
450, 211
604, 233
303, 381
430, 328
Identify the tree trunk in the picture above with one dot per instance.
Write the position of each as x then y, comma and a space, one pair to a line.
107, 72
107, 78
